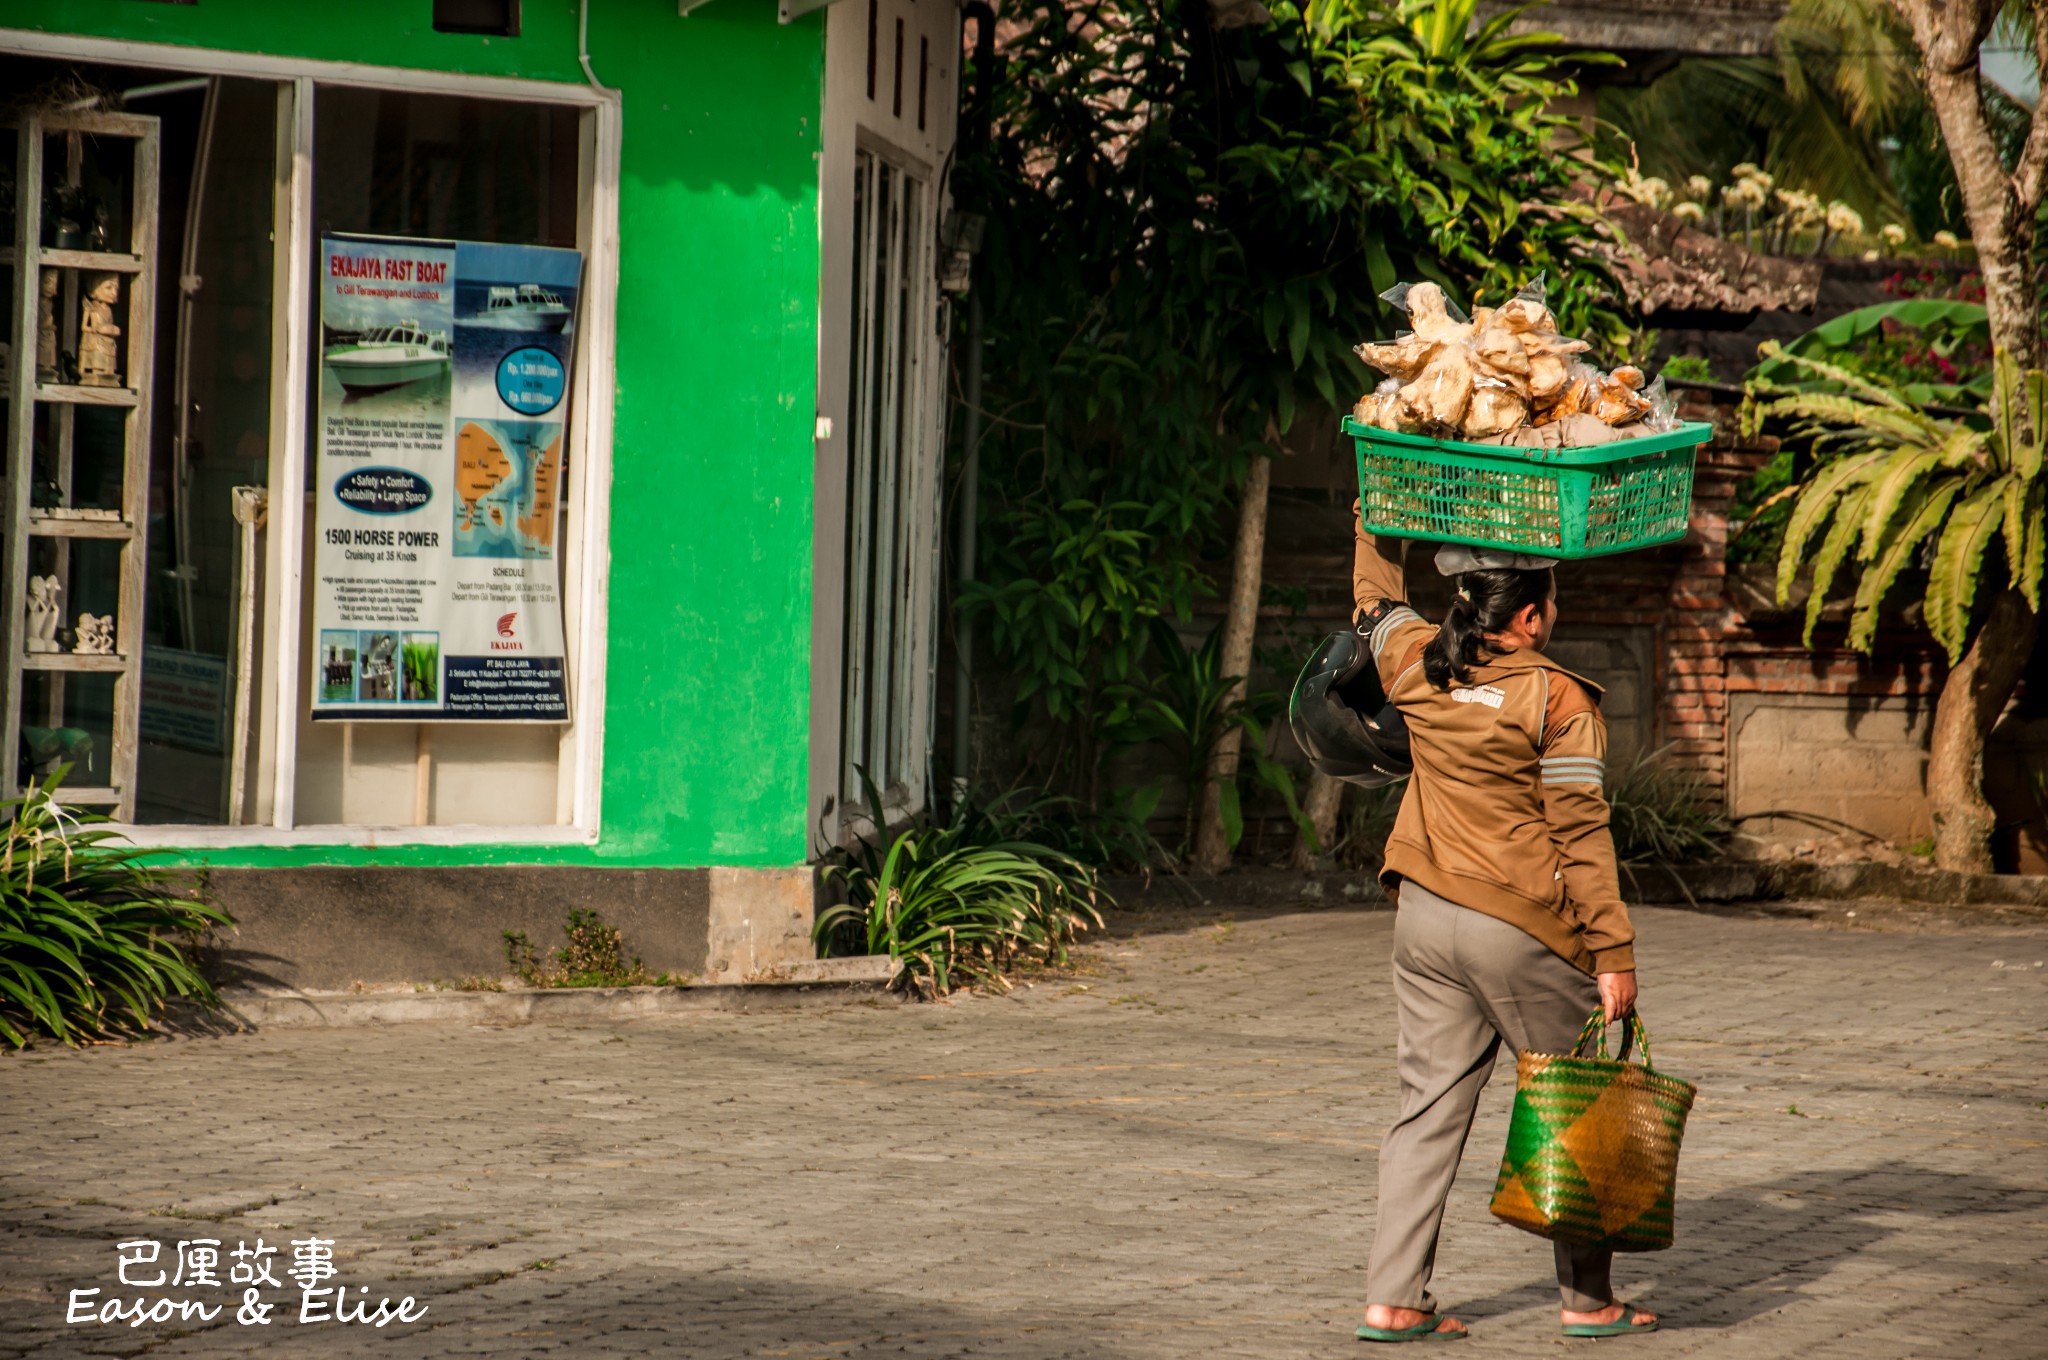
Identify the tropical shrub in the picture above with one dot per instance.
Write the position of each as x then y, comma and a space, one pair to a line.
1894, 487
1186, 705
1929, 351
1817, 118
93, 941
1687, 368
953, 903
1364, 821
1097, 838
1892, 477
1187, 230
1661, 814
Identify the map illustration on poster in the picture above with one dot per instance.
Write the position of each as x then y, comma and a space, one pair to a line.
444, 381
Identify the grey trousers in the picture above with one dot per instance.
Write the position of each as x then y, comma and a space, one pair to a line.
1464, 983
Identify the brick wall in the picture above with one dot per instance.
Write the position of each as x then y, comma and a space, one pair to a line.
1689, 648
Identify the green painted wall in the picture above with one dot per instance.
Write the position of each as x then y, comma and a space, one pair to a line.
707, 714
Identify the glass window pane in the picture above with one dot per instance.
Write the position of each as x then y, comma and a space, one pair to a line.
397, 163
211, 419
447, 168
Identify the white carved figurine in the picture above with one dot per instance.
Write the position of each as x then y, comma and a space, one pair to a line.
95, 635
44, 613
99, 361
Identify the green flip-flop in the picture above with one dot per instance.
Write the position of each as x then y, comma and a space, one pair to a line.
1621, 1326
1425, 1330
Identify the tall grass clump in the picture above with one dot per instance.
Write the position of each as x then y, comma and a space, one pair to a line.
1663, 815
957, 903
93, 941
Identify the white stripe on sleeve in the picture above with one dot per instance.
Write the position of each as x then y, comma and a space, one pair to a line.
1387, 625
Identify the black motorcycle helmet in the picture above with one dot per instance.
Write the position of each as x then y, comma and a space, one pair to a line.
1341, 717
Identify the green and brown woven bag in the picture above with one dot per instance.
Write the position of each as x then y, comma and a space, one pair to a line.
1592, 1155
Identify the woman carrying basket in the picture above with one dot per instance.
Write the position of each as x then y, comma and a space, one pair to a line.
1510, 928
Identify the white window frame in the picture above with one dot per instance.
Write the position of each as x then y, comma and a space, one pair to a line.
586, 551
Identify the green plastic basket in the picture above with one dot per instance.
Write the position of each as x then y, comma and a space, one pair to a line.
1566, 503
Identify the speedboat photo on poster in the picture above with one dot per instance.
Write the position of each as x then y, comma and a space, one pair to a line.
444, 380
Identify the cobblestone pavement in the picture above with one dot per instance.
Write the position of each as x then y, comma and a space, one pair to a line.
1170, 1155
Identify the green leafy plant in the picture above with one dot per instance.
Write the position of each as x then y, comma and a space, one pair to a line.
1187, 230
953, 907
1077, 627
1661, 814
593, 955
1894, 485
1891, 478
1898, 341
93, 941
1817, 112
1365, 820
1096, 838
1680, 368
1186, 705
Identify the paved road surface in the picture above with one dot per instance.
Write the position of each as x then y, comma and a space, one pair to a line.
1169, 1156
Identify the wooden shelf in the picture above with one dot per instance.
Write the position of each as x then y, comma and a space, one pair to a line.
104, 261
50, 147
104, 663
86, 396
52, 526
67, 793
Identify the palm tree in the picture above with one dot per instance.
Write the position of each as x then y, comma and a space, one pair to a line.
1902, 478
1820, 113
1893, 481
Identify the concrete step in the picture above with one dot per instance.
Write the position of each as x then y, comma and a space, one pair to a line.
823, 982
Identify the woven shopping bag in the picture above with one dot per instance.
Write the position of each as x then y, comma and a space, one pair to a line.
1592, 1154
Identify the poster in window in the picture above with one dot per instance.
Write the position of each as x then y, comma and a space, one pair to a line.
444, 378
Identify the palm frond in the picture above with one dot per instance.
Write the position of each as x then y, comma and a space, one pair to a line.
1815, 505
1958, 563
1928, 508
1842, 533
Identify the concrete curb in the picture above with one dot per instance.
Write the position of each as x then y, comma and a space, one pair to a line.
334, 1010
1689, 884
825, 982
1931, 887
1286, 888
1722, 884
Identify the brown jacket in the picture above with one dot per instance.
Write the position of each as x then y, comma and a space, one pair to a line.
1507, 810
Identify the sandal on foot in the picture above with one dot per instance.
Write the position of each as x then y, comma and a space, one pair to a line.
1625, 1325
1425, 1330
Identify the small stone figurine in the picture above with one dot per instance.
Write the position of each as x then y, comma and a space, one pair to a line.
44, 613
95, 635
46, 328
99, 360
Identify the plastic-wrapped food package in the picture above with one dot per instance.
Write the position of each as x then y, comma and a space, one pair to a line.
1397, 298
1663, 414
1499, 371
